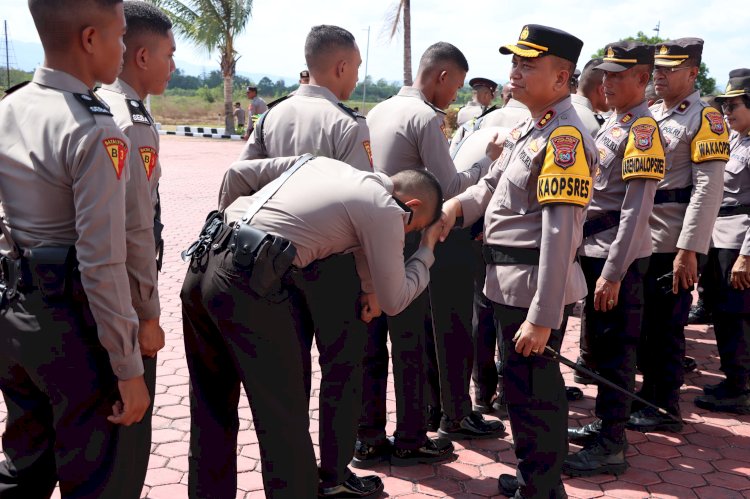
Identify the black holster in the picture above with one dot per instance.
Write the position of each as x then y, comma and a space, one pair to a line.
265, 256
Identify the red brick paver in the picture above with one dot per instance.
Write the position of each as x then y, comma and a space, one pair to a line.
709, 459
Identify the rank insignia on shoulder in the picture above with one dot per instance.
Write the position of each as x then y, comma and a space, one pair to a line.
149, 157
117, 151
683, 105
565, 176
626, 118
644, 154
351, 112
546, 118
138, 113
711, 142
94, 105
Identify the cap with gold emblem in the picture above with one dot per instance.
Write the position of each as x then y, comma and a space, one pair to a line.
620, 56
675, 52
536, 40
304, 74
739, 72
737, 86
483, 82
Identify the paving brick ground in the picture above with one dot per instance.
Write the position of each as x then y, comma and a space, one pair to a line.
709, 459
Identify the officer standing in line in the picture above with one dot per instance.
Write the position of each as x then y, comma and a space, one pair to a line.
68, 329
236, 333
147, 67
485, 93
615, 251
702, 311
408, 132
685, 208
532, 234
256, 107
728, 265
485, 89
589, 97
313, 119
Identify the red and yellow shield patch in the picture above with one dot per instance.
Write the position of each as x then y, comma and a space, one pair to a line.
716, 122
644, 135
368, 150
565, 150
149, 157
117, 151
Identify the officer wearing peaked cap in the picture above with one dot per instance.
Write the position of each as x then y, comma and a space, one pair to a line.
728, 267
685, 208
535, 197
615, 251
484, 90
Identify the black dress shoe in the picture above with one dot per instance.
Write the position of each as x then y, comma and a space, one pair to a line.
700, 314
367, 455
710, 389
725, 398
573, 393
648, 419
689, 365
433, 451
586, 433
602, 456
507, 485
354, 486
471, 427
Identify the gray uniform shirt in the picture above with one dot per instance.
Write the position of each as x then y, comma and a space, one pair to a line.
140, 195
733, 232
530, 167
312, 121
586, 112
471, 110
616, 190
685, 130
351, 210
507, 116
63, 170
473, 148
257, 106
409, 133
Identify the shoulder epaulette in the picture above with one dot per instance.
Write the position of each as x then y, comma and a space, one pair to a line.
487, 111
278, 101
683, 106
437, 110
94, 105
138, 112
351, 112
16, 87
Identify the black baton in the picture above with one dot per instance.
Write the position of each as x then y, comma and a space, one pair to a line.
553, 355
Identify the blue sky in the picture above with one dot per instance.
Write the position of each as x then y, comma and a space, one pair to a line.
274, 39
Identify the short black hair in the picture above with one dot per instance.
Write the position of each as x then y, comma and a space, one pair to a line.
142, 17
57, 20
590, 76
423, 185
322, 40
440, 53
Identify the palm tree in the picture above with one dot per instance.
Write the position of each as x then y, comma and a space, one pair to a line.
403, 8
213, 25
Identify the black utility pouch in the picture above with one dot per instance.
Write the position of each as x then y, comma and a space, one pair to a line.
265, 256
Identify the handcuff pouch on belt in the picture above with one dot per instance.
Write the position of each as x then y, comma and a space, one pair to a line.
265, 256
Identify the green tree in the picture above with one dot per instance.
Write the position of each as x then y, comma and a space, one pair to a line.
704, 82
212, 25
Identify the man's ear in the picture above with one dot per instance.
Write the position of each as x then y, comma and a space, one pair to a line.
142, 57
87, 39
341, 68
414, 203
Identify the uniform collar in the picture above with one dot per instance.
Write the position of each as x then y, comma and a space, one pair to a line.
583, 101
121, 87
55, 78
553, 112
685, 105
632, 114
412, 92
316, 91
516, 104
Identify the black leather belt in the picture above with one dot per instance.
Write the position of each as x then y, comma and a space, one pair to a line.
728, 211
600, 223
681, 196
508, 255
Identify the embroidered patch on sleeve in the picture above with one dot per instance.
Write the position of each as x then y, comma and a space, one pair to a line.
117, 151
565, 176
149, 157
644, 153
368, 150
711, 143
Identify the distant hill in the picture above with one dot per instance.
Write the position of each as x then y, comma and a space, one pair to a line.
27, 56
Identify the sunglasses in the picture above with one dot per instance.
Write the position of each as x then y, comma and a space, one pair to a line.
669, 70
406, 208
728, 108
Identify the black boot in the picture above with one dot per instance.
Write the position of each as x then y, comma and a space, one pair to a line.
434, 450
508, 486
354, 486
602, 456
580, 377
649, 419
368, 455
700, 314
585, 434
726, 397
471, 427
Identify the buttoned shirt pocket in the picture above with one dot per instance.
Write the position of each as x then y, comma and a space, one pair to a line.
515, 188
736, 174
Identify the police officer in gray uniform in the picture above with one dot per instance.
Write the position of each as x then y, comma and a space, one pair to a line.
313, 119
685, 208
470, 120
408, 131
244, 307
728, 266
148, 65
589, 97
615, 251
68, 329
535, 198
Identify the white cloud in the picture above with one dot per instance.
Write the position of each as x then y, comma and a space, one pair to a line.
275, 35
